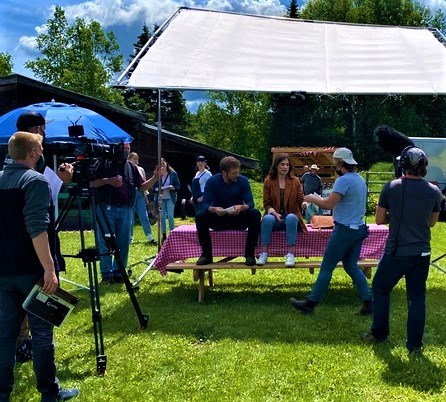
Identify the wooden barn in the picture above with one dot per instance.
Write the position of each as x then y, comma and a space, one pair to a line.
181, 152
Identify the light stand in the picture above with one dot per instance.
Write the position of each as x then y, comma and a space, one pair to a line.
160, 201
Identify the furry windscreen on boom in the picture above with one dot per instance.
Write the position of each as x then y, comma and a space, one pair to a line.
392, 140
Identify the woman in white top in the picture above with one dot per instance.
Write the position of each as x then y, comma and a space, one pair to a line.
199, 182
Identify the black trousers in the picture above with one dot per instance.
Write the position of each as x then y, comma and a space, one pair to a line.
250, 219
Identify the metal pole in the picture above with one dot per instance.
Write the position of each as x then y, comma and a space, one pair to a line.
160, 201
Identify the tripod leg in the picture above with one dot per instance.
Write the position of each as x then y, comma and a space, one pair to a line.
110, 238
101, 358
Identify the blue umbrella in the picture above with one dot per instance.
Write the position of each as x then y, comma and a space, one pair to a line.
59, 117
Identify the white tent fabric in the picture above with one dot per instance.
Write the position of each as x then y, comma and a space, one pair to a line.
209, 50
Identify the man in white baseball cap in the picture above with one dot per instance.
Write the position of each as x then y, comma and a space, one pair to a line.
346, 155
311, 184
348, 202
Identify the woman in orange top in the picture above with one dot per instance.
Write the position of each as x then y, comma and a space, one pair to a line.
282, 200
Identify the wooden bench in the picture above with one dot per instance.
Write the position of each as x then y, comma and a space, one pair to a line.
227, 263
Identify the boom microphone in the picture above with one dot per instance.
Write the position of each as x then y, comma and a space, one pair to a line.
392, 140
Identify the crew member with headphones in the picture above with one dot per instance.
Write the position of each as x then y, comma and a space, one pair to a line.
411, 206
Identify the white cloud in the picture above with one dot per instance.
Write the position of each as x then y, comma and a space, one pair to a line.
128, 14
435, 4
29, 43
111, 13
192, 105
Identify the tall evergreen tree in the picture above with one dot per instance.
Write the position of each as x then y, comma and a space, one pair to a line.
173, 107
293, 11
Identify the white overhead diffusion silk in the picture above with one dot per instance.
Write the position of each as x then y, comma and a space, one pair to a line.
208, 50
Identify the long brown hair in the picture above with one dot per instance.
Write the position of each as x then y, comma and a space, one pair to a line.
277, 160
169, 169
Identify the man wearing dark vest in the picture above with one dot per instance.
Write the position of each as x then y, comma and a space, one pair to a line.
27, 252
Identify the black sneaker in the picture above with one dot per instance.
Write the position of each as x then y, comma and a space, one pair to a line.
416, 352
204, 260
367, 308
118, 279
107, 281
66, 394
306, 306
368, 337
250, 261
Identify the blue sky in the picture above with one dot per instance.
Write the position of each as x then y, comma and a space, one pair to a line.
20, 23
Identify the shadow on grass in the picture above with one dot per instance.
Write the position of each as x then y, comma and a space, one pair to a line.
251, 309
417, 372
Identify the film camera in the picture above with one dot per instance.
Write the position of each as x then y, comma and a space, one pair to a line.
87, 156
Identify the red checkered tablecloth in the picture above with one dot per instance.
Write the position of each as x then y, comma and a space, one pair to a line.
182, 243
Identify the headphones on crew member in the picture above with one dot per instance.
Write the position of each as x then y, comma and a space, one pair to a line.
405, 159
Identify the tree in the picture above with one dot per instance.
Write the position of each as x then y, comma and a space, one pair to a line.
236, 122
293, 11
359, 115
6, 64
173, 108
79, 57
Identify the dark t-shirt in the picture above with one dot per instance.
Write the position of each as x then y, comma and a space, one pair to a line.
410, 203
131, 181
311, 183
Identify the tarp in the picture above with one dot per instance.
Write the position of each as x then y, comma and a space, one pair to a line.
210, 50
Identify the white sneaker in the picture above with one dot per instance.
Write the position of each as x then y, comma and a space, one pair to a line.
289, 260
263, 257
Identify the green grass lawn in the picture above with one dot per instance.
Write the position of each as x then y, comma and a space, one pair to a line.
245, 342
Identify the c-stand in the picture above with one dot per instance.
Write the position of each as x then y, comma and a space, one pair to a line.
90, 256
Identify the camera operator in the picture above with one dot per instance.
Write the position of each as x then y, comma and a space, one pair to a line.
115, 195
27, 256
411, 206
35, 123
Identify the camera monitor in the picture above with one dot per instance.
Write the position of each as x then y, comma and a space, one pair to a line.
76, 130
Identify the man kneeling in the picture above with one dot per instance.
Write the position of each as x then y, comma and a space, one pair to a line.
228, 205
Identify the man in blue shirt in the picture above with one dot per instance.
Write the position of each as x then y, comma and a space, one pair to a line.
348, 202
228, 204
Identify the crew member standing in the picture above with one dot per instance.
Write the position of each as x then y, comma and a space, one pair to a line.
115, 193
311, 184
27, 257
348, 201
411, 206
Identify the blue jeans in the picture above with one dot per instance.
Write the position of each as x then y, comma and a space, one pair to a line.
344, 245
140, 208
390, 270
13, 291
120, 219
167, 209
312, 209
270, 224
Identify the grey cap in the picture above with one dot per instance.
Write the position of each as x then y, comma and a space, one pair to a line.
346, 155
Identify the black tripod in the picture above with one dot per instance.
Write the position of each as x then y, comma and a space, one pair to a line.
90, 256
